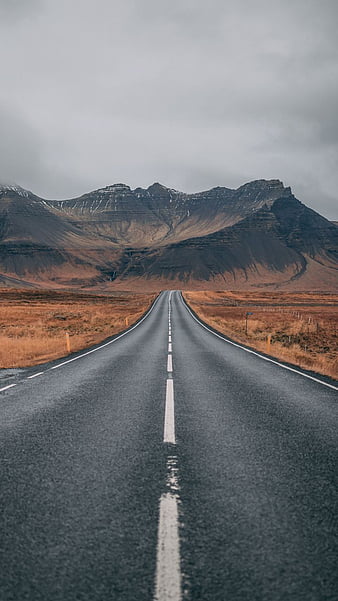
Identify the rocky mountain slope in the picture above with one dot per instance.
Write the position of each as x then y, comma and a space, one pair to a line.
257, 235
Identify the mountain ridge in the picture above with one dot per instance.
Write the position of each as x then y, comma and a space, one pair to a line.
256, 235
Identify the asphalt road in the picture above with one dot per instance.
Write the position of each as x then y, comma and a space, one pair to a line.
168, 465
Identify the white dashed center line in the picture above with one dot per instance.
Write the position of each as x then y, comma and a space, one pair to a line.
168, 574
169, 417
168, 583
170, 364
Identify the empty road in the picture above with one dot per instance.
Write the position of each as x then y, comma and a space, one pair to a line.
168, 465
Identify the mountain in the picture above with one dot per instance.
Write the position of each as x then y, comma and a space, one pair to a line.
257, 235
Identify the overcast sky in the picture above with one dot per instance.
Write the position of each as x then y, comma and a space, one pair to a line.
190, 93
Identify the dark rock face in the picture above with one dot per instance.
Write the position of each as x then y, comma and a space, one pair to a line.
259, 233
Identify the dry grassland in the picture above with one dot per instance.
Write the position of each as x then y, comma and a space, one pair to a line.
303, 326
33, 325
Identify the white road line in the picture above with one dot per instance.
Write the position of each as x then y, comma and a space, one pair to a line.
169, 416
7, 387
93, 350
169, 338
168, 585
168, 572
35, 375
107, 343
168, 569
300, 373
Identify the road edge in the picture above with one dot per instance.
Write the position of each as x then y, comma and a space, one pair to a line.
29, 372
324, 380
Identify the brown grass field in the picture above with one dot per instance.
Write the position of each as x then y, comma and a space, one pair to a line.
33, 324
303, 326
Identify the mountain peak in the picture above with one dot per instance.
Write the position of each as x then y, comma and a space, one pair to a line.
14, 188
264, 183
115, 188
156, 187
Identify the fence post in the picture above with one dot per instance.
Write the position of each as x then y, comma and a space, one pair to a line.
268, 344
246, 321
67, 342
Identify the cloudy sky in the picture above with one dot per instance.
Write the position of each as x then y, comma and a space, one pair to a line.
190, 93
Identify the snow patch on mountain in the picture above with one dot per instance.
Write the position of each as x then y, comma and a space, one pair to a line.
14, 188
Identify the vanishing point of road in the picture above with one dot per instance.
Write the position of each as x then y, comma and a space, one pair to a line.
168, 464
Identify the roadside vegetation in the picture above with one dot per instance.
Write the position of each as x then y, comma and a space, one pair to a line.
298, 328
35, 325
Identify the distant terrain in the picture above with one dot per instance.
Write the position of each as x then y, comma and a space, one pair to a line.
258, 236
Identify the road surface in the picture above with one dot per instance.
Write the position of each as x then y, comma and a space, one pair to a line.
168, 465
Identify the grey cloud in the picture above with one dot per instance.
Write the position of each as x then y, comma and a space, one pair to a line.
12, 10
191, 93
20, 149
